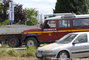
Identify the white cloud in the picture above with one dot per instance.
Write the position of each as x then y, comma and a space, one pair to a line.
43, 6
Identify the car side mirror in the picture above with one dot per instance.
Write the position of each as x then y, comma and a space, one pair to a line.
73, 43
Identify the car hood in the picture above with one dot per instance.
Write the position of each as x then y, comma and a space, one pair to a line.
51, 46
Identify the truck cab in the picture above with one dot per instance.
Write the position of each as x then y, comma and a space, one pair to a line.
56, 27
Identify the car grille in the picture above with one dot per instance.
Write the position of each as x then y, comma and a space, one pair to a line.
44, 52
40, 52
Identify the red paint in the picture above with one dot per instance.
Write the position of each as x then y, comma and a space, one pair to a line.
33, 29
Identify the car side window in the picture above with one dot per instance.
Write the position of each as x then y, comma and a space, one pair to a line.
80, 22
64, 23
81, 39
50, 24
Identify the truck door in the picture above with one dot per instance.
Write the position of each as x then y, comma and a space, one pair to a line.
64, 27
52, 31
49, 31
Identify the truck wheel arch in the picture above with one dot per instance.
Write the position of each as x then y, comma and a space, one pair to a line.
32, 35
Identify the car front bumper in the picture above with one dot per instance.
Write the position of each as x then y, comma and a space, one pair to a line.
47, 55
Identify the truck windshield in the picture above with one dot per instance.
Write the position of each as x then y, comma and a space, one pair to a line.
67, 39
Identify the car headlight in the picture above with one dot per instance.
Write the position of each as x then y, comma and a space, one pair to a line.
39, 53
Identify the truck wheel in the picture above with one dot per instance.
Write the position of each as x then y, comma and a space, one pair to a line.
31, 41
14, 42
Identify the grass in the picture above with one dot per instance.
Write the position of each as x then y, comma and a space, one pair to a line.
3, 52
12, 53
29, 52
25, 53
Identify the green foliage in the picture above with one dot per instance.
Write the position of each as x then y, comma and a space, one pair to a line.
71, 6
20, 14
12, 53
31, 22
3, 52
3, 10
4, 23
32, 16
25, 53
4, 46
29, 52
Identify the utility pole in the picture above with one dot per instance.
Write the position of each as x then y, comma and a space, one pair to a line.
11, 11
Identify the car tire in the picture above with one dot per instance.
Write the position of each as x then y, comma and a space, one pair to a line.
13, 41
63, 55
31, 41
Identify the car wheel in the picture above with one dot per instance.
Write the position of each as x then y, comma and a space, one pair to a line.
31, 41
63, 55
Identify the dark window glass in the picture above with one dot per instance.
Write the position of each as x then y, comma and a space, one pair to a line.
50, 24
64, 23
81, 38
81, 22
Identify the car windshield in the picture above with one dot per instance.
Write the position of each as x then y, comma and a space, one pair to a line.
66, 39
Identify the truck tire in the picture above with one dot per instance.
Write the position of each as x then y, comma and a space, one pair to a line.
13, 41
31, 41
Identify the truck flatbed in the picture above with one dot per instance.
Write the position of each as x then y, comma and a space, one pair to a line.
14, 29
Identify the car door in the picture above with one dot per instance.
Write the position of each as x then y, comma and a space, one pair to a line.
81, 46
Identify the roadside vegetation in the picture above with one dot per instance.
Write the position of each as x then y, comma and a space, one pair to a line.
72, 6
11, 52
6, 22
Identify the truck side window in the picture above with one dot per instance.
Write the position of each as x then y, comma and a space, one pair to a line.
81, 39
80, 22
64, 23
50, 24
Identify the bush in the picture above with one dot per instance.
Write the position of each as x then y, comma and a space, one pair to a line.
12, 53
4, 23
29, 52
25, 53
4, 46
3, 52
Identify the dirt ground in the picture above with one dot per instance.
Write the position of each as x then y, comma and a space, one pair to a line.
29, 58
18, 58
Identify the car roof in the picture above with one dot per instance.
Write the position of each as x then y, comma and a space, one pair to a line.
74, 16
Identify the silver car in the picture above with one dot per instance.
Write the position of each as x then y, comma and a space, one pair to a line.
73, 45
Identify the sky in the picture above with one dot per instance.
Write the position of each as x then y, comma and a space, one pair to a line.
43, 6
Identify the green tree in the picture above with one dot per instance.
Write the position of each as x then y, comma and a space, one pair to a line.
20, 15
3, 12
31, 16
88, 5
71, 6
